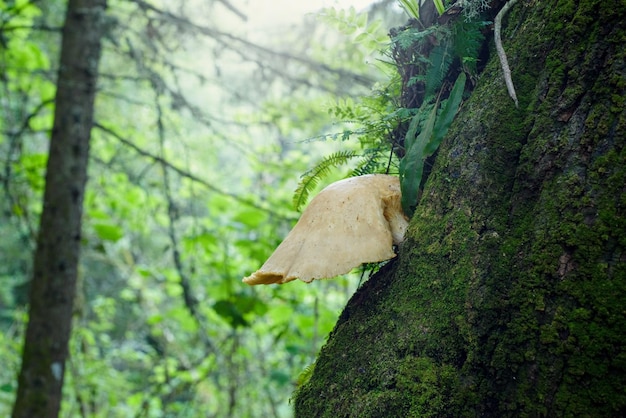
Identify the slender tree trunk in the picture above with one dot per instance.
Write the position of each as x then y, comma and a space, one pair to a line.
56, 257
508, 295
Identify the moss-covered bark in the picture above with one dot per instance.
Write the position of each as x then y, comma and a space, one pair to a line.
508, 296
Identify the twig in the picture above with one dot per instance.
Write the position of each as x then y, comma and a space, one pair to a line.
234, 9
501, 54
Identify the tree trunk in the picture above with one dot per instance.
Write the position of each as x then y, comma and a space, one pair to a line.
58, 244
507, 298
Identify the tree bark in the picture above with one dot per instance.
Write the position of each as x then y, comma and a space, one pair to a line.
507, 298
56, 257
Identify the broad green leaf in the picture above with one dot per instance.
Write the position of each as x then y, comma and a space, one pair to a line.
205, 240
251, 217
412, 164
448, 113
230, 312
411, 7
411, 134
182, 317
439, 6
154, 319
250, 303
362, 20
280, 377
427, 142
33, 167
108, 232
361, 37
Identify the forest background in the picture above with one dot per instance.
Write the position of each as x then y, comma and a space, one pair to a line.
203, 127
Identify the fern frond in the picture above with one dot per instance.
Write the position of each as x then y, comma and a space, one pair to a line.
440, 62
467, 40
408, 38
305, 375
311, 178
370, 164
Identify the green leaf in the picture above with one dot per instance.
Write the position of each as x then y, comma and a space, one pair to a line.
361, 37
448, 113
250, 217
7, 388
439, 6
280, 377
108, 232
412, 164
250, 303
411, 8
425, 144
361, 20
230, 312
155, 319
411, 134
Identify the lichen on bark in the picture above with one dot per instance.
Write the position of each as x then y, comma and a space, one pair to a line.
507, 296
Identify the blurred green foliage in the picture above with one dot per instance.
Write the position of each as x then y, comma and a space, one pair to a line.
198, 146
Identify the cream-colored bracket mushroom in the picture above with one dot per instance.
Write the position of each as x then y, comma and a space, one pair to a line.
350, 222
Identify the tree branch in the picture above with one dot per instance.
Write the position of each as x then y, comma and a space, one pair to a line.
190, 301
219, 35
233, 9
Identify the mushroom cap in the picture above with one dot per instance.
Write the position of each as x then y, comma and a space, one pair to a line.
350, 222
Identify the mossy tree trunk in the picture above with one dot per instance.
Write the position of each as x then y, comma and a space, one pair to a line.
508, 296
58, 243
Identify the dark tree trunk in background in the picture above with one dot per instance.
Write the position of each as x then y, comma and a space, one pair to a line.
508, 297
56, 257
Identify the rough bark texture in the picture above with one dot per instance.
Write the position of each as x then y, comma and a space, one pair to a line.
508, 296
56, 257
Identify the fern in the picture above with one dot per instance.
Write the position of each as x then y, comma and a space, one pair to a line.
440, 62
407, 38
305, 375
467, 39
364, 31
375, 161
431, 53
311, 178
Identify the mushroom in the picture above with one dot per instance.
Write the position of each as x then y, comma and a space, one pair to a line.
350, 222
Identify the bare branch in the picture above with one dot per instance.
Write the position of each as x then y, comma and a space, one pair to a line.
190, 301
233, 9
223, 36
43, 28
